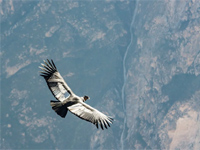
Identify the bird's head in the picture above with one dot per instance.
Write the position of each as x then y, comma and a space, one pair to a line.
85, 98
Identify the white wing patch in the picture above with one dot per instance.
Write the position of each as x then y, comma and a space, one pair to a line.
54, 80
58, 90
90, 114
79, 109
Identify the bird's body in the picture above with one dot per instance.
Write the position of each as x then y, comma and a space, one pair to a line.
73, 103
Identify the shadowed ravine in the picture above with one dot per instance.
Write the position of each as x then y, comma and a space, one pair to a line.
125, 75
181, 88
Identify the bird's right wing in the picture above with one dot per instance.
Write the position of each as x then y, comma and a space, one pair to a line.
88, 113
55, 82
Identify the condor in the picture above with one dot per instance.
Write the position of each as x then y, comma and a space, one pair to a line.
73, 103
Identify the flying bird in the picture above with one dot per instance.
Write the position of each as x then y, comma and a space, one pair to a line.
75, 104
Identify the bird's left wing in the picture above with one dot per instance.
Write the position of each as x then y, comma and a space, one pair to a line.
88, 113
54, 80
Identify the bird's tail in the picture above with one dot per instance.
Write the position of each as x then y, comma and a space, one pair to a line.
59, 108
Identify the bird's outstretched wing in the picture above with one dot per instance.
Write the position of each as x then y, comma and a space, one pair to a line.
54, 80
88, 113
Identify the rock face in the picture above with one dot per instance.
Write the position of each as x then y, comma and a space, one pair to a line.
138, 61
162, 77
